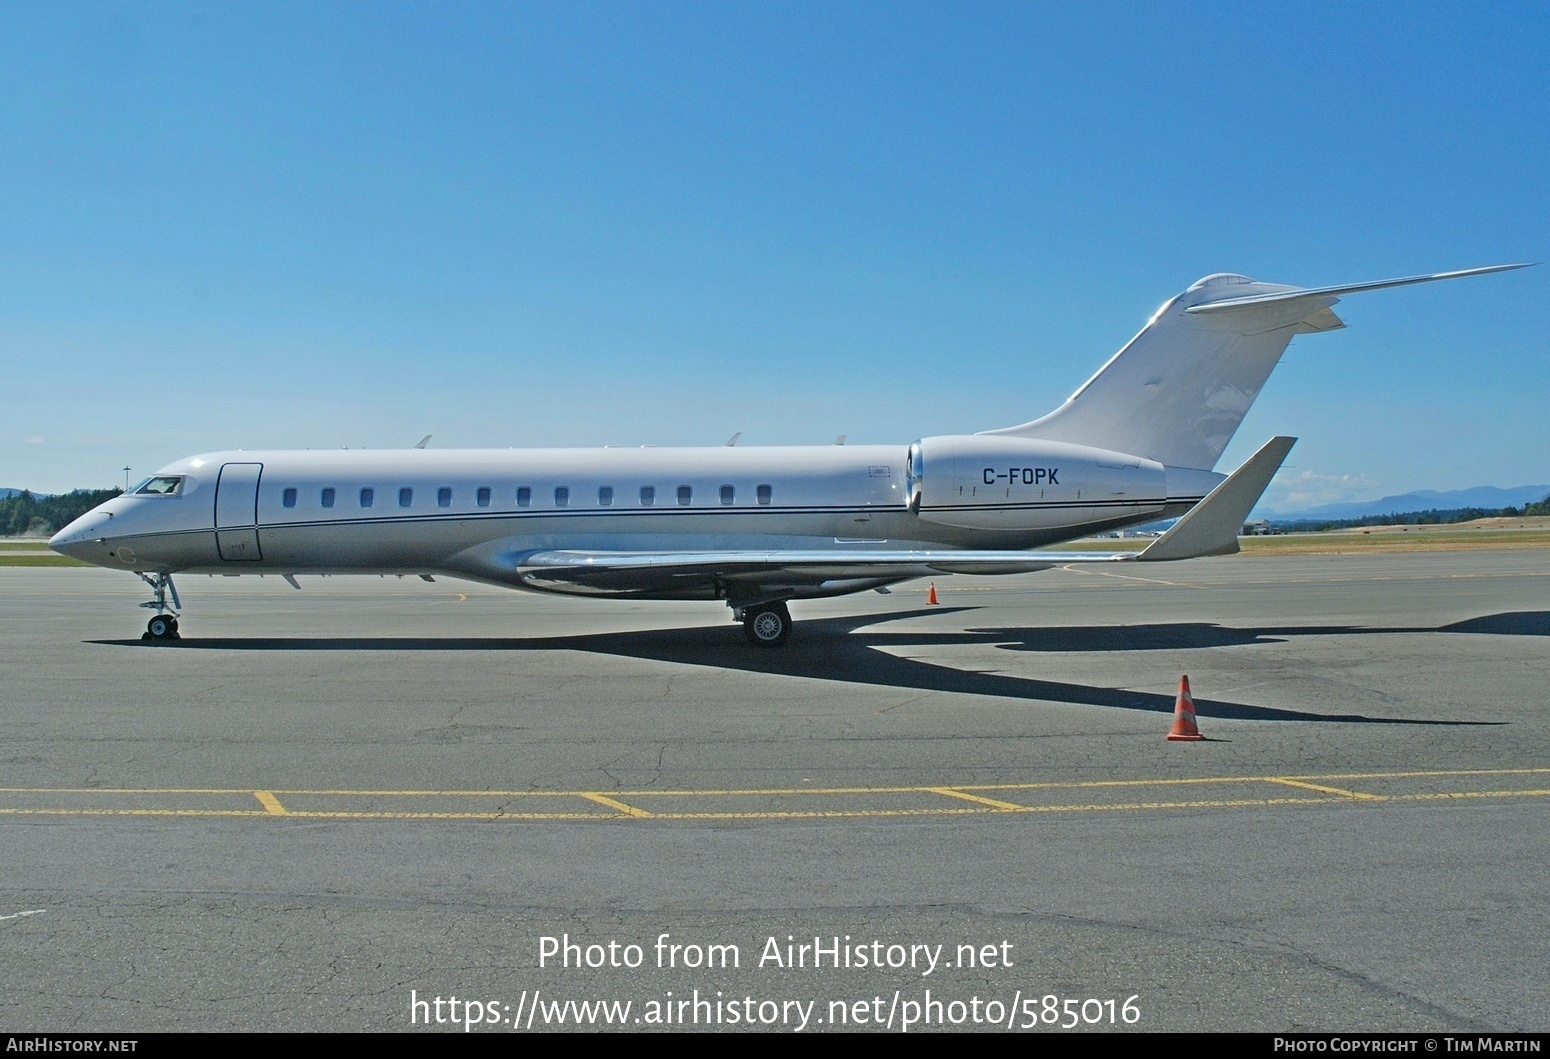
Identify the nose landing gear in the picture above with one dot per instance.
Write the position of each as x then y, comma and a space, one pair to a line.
164, 626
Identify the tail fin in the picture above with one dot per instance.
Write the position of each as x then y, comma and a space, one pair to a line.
1178, 390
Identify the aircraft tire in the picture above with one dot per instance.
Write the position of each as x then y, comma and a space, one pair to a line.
768, 625
162, 627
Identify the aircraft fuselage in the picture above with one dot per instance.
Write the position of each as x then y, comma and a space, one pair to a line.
475, 513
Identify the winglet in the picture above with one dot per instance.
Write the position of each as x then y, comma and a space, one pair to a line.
1211, 527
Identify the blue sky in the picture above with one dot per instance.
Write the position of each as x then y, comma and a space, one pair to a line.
317, 225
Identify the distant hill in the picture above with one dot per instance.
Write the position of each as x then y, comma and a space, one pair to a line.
1488, 497
6, 493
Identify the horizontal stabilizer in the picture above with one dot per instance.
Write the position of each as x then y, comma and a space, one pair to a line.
1211, 527
1309, 294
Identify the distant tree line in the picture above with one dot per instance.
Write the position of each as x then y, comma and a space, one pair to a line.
1432, 517
46, 515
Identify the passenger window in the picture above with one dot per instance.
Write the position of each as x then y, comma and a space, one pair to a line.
648, 495
483, 496
766, 494
561, 496
728, 494
605, 496
524, 496
288, 498
368, 497
685, 494
327, 499
405, 497
444, 497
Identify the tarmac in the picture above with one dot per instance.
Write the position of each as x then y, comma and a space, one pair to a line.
327, 808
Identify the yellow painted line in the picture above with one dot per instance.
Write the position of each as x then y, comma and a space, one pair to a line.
125, 790
640, 814
1322, 790
1425, 774
627, 810
951, 793
346, 814
441, 794
1048, 785
660, 793
812, 814
1081, 784
1251, 779
270, 803
342, 815
1447, 795
795, 814
1075, 568
593, 795
1354, 795
132, 812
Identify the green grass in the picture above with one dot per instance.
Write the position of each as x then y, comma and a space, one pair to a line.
39, 560
1387, 539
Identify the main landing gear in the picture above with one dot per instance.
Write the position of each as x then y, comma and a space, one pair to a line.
164, 626
766, 625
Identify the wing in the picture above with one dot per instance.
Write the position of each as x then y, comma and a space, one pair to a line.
749, 577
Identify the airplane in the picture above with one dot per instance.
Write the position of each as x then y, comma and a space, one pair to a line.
756, 527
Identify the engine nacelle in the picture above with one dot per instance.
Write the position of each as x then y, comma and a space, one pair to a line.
1005, 483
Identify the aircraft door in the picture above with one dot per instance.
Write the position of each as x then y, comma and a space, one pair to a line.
236, 512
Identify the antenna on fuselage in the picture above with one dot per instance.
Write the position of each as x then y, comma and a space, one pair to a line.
426, 440
732, 440
841, 439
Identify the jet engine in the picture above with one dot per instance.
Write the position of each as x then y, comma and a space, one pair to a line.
1004, 483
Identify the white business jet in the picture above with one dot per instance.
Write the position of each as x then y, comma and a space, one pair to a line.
756, 527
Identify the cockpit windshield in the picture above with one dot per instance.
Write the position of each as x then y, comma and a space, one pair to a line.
162, 485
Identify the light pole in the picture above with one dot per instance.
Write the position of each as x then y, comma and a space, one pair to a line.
126, 478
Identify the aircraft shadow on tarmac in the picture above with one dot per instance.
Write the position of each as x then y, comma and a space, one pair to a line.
834, 649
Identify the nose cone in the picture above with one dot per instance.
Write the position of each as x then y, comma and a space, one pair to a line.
68, 540
78, 540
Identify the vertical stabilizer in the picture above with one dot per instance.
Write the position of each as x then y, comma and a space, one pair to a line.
1178, 390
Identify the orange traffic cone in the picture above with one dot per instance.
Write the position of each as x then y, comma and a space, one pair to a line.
931, 595
1184, 728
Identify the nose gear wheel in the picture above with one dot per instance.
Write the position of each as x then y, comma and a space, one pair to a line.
161, 627
164, 626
